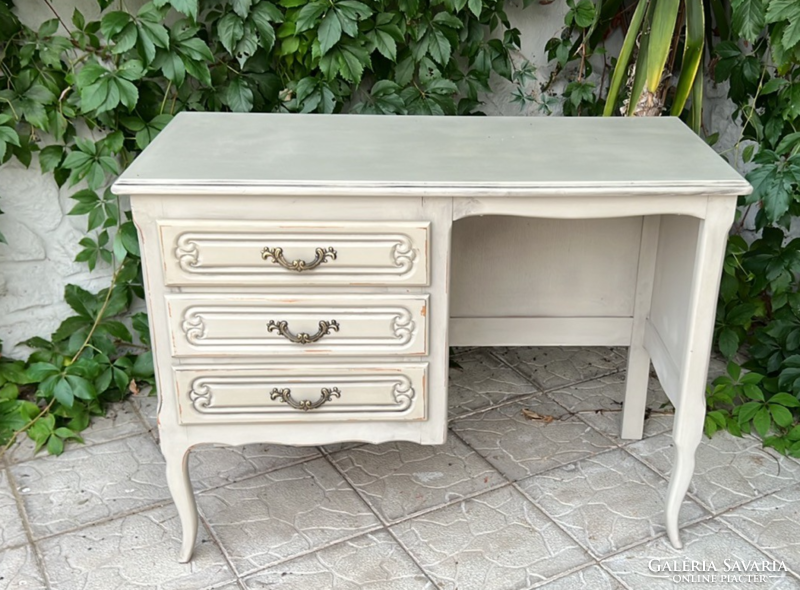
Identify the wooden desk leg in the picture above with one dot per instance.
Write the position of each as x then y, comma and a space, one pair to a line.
638, 372
691, 403
180, 486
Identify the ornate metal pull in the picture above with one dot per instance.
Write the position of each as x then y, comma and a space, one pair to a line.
282, 328
285, 396
322, 255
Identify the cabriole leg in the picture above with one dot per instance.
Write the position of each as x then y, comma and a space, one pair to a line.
690, 405
180, 486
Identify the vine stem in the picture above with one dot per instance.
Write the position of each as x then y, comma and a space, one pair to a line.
83, 347
58, 16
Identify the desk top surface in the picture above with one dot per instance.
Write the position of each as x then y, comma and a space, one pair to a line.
226, 153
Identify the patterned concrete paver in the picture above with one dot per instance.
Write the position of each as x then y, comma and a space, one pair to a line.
591, 578
496, 541
265, 519
479, 380
771, 524
19, 570
213, 466
585, 509
607, 502
12, 531
400, 479
716, 551
91, 483
729, 470
374, 560
519, 447
551, 368
136, 551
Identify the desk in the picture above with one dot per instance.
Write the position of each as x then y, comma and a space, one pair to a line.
305, 274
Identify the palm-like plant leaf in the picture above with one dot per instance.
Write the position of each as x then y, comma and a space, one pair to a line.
692, 53
619, 76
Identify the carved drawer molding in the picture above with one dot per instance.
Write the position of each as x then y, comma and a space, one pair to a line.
286, 393
198, 252
227, 324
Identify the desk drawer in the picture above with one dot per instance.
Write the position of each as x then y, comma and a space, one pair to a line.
301, 393
223, 324
277, 253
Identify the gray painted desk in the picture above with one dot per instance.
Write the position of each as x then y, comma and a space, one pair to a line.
305, 274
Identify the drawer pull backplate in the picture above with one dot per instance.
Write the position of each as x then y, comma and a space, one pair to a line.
285, 396
282, 328
322, 255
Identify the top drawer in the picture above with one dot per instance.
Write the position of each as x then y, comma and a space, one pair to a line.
280, 253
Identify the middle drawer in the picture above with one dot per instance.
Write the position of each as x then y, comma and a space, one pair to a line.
257, 325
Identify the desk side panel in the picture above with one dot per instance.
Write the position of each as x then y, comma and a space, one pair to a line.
667, 329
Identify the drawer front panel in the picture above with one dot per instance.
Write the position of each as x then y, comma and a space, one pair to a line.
219, 325
293, 253
301, 393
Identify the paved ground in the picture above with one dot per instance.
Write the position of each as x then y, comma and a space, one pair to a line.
507, 503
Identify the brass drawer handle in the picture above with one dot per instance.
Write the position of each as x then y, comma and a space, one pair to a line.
285, 396
322, 255
282, 328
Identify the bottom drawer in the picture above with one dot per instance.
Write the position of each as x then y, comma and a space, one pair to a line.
301, 393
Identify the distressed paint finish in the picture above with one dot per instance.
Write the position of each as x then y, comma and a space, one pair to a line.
247, 216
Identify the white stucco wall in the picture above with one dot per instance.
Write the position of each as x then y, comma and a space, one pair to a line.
37, 263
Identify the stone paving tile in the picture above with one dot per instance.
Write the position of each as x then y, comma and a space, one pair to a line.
729, 470
275, 516
593, 577
374, 561
519, 447
772, 524
212, 466
11, 530
148, 409
90, 483
121, 421
19, 570
706, 542
551, 367
400, 479
599, 403
604, 393
481, 381
607, 502
134, 552
496, 541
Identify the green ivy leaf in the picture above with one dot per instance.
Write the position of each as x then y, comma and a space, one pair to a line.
130, 241
239, 96
187, 7
143, 366
241, 7
262, 17
55, 446
114, 22
330, 31
309, 15
749, 18
762, 421
50, 157
230, 29
781, 415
